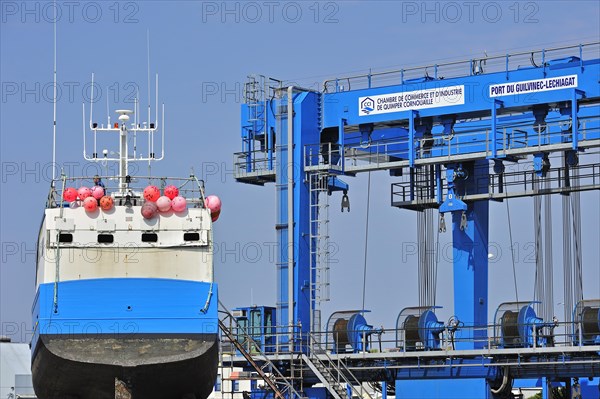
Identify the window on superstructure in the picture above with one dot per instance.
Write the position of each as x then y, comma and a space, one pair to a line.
241, 331
256, 323
149, 237
65, 237
106, 238
191, 236
268, 323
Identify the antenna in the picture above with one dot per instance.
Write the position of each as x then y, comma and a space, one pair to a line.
162, 133
135, 123
156, 99
54, 102
92, 101
129, 125
150, 133
107, 107
148, 55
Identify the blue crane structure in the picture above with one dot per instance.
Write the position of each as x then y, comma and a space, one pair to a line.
446, 132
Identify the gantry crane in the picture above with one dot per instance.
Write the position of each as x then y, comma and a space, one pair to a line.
446, 131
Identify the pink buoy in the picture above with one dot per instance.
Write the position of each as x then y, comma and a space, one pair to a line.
171, 192
149, 210
163, 203
70, 194
151, 193
106, 203
84, 192
179, 204
97, 192
90, 204
213, 203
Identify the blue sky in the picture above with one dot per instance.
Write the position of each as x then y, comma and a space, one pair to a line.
203, 52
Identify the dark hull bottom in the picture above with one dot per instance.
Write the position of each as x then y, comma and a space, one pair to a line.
153, 366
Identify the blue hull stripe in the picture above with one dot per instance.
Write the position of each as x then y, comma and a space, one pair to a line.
126, 306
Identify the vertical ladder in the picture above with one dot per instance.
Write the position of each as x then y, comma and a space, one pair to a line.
253, 96
319, 244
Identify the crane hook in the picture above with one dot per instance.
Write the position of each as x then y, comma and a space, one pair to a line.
345, 201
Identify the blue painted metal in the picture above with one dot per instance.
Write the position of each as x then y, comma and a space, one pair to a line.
342, 137
306, 126
353, 331
519, 326
574, 117
259, 322
345, 104
150, 306
457, 387
336, 184
411, 138
452, 203
530, 326
430, 329
359, 332
315, 393
470, 258
467, 135
586, 330
494, 136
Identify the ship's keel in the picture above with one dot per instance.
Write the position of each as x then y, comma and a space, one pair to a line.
149, 366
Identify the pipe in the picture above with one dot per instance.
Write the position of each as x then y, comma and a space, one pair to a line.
290, 210
521, 364
504, 382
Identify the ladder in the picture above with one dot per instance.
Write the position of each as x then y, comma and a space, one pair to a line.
333, 374
254, 97
266, 370
319, 244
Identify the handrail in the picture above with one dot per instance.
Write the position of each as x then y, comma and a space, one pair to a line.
194, 192
390, 343
511, 137
469, 62
341, 369
250, 360
253, 344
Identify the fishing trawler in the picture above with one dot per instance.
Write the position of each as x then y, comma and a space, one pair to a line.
124, 285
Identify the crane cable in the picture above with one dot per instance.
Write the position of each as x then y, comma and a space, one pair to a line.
366, 242
567, 259
577, 253
548, 256
538, 293
437, 262
512, 252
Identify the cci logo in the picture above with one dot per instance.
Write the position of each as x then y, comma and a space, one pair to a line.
367, 105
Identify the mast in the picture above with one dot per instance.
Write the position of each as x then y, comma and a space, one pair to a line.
123, 150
